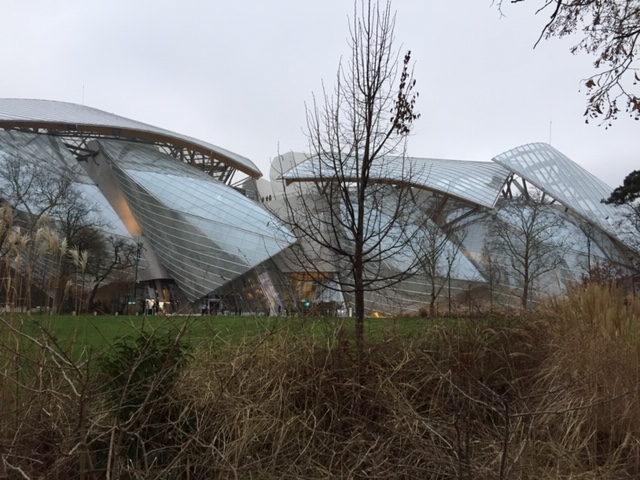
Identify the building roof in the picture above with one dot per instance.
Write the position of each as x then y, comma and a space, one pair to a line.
69, 117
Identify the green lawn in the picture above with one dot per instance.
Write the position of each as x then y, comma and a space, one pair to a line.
97, 332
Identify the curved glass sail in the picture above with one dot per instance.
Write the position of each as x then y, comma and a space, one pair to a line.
476, 183
204, 232
564, 180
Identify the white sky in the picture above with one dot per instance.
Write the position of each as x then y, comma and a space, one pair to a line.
238, 73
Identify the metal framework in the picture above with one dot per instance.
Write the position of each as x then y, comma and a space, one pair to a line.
76, 138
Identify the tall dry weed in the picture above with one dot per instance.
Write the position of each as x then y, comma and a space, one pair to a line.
552, 395
588, 405
434, 404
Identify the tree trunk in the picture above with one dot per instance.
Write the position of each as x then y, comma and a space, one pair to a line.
359, 296
525, 293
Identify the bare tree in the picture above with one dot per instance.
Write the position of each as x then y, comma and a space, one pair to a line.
527, 231
351, 222
34, 190
492, 271
610, 31
436, 249
590, 244
113, 254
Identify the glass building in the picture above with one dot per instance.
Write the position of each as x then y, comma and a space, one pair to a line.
168, 195
204, 240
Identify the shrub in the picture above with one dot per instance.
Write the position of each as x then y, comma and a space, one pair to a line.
138, 379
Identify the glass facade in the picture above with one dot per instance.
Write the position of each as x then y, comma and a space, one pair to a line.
49, 154
204, 232
586, 233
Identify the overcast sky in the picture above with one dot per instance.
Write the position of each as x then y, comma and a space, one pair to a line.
238, 73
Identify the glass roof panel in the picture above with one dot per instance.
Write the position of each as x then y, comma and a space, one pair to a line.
478, 183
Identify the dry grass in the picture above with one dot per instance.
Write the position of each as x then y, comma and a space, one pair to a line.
589, 403
550, 396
